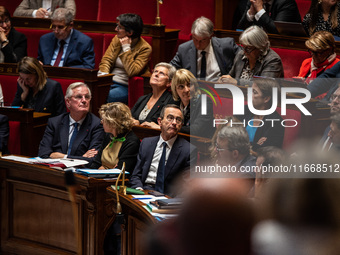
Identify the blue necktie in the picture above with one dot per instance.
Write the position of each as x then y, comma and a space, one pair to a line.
160, 172
73, 137
203, 66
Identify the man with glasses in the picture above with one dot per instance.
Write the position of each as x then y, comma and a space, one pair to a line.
77, 134
162, 159
207, 57
43, 8
13, 45
66, 46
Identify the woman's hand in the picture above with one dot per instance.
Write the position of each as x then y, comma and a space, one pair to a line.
136, 122
3, 37
227, 79
90, 153
257, 5
125, 40
25, 89
150, 125
261, 140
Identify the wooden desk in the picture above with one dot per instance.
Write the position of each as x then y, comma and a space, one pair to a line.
99, 85
164, 41
36, 214
277, 41
137, 221
32, 127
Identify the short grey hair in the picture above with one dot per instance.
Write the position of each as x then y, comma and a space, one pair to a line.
237, 138
202, 27
161, 115
69, 90
171, 69
62, 14
257, 37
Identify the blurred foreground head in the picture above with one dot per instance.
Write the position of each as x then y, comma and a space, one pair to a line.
216, 218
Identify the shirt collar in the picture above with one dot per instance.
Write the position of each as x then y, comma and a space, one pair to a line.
170, 142
207, 49
72, 121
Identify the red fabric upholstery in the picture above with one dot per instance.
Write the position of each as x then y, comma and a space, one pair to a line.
65, 83
109, 10
86, 9
181, 14
98, 40
303, 6
291, 60
14, 138
33, 37
291, 133
9, 87
136, 89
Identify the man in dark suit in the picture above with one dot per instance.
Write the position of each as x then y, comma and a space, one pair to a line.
66, 46
263, 13
207, 57
175, 152
4, 134
77, 134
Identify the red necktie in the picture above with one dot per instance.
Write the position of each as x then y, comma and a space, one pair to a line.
60, 53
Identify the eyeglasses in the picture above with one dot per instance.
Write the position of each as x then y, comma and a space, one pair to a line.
160, 73
171, 118
312, 52
218, 148
119, 27
60, 28
248, 49
334, 96
5, 21
80, 97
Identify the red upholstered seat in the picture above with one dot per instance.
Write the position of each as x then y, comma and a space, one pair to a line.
9, 87
87, 9
33, 37
291, 60
303, 6
98, 40
14, 138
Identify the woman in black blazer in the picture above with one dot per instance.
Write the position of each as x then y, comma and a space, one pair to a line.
148, 107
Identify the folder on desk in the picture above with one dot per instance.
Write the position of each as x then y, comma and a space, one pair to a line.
95, 173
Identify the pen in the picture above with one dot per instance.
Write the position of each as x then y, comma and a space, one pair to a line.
140, 198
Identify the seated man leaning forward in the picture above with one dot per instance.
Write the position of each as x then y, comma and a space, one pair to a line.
163, 158
206, 56
65, 46
77, 134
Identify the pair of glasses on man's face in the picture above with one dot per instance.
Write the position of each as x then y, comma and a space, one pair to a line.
60, 28
171, 118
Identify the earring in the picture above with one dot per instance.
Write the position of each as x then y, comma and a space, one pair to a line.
320, 2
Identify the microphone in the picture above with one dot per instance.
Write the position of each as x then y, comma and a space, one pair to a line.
122, 188
71, 185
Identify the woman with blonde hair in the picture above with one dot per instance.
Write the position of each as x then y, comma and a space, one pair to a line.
184, 88
120, 143
321, 46
36, 91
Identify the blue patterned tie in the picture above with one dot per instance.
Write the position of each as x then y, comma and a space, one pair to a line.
73, 137
160, 172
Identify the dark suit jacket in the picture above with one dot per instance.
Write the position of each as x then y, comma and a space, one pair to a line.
166, 98
327, 81
197, 124
181, 156
225, 50
281, 10
274, 134
16, 49
79, 54
4, 134
127, 153
49, 99
56, 135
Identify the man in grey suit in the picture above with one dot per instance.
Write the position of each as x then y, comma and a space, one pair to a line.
206, 56
43, 8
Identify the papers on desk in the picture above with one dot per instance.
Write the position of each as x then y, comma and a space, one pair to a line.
55, 163
96, 173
